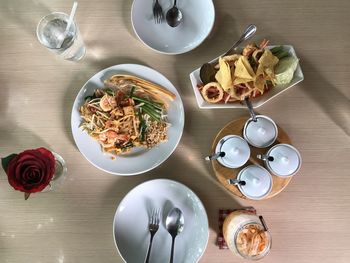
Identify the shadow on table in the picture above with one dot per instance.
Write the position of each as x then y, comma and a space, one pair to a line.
4, 95
2, 245
11, 13
12, 137
329, 98
126, 7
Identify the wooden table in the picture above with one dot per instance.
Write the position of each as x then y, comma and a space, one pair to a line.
309, 221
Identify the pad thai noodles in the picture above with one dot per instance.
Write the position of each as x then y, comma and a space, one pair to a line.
129, 112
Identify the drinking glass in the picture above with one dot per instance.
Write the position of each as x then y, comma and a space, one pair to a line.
51, 31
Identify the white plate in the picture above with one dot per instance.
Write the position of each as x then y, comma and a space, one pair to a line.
139, 160
198, 20
256, 102
130, 226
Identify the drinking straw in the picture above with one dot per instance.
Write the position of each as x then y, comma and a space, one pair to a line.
70, 21
263, 223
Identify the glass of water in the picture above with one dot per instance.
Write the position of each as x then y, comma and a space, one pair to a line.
51, 32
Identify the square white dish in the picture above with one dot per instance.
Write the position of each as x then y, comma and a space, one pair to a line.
256, 102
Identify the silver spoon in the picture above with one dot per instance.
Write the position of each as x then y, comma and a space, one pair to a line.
248, 33
215, 156
174, 224
265, 157
250, 108
174, 16
236, 182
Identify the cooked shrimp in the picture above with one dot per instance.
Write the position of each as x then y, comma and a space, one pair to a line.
107, 103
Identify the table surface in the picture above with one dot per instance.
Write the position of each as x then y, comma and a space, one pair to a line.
309, 221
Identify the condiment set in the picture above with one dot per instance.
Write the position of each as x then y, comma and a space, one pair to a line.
255, 181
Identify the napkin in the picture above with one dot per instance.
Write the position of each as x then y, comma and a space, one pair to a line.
220, 241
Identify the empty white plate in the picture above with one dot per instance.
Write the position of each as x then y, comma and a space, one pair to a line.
130, 226
198, 21
138, 160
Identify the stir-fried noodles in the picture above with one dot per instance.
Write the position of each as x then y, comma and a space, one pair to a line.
129, 112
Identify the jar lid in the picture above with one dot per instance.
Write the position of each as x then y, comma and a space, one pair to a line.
287, 160
258, 182
260, 133
236, 149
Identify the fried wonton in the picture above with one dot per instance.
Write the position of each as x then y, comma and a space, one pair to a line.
243, 70
223, 76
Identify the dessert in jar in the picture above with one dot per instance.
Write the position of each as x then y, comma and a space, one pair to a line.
246, 236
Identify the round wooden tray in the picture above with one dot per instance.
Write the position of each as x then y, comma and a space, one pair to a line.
223, 173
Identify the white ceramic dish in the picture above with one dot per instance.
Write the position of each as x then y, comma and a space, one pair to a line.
258, 182
130, 225
287, 160
138, 160
236, 151
256, 102
262, 133
198, 21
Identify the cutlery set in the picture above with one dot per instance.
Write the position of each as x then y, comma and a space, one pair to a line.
173, 16
174, 223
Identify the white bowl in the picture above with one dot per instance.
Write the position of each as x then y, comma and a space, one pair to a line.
130, 225
256, 102
198, 20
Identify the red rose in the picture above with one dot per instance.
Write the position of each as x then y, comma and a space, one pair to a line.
31, 171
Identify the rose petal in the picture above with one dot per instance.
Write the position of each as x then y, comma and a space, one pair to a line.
29, 177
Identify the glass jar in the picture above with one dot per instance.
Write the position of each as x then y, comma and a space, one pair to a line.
246, 236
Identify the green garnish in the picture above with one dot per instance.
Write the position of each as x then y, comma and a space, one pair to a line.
153, 114
127, 146
152, 103
276, 49
109, 92
132, 91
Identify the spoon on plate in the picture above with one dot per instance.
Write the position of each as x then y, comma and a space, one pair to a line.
174, 16
248, 33
174, 224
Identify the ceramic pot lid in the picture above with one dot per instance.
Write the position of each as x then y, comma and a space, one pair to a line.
287, 160
258, 182
236, 149
261, 133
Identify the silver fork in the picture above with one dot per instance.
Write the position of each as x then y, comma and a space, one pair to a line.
158, 13
153, 228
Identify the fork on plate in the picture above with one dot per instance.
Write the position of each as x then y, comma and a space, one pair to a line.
158, 12
153, 228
